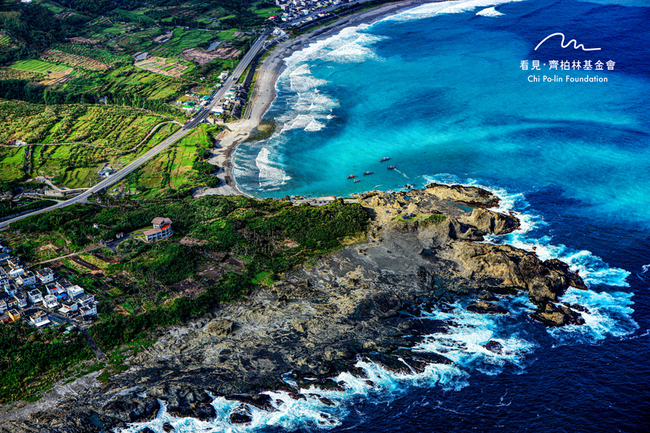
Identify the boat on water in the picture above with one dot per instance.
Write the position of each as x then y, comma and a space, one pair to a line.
384, 159
390, 167
366, 173
351, 176
356, 180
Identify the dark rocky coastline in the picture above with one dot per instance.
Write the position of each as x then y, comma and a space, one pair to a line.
424, 248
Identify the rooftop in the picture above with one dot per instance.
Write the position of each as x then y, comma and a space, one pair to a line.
151, 232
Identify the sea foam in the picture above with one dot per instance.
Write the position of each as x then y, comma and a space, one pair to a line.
462, 341
610, 312
269, 175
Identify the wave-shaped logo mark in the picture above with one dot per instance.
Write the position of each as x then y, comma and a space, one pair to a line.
564, 45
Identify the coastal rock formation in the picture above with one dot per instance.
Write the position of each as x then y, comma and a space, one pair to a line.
424, 248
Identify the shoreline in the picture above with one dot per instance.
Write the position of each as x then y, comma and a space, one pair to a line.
264, 94
317, 322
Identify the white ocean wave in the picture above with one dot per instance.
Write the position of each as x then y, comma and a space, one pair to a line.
314, 125
463, 343
355, 49
465, 338
310, 107
453, 7
610, 315
302, 81
349, 45
591, 268
489, 12
269, 175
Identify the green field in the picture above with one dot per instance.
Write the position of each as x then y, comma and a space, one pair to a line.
267, 12
11, 163
227, 35
38, 66
52, 7
182, 40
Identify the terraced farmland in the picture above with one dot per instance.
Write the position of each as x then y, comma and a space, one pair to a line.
72, 142
75, 60
174, 167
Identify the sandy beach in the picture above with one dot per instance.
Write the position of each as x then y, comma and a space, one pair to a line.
264, 93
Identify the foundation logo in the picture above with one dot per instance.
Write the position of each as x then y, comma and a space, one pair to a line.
563, 45
572, 67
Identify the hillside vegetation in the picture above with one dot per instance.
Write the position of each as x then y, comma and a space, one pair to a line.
222, 248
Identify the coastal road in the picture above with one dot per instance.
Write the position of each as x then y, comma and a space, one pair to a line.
192, 123
230, 81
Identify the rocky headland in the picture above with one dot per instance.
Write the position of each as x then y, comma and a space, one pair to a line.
424, 249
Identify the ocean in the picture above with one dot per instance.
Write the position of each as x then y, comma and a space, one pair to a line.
457, 93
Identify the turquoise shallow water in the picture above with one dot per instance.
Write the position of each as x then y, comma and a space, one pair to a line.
445, 94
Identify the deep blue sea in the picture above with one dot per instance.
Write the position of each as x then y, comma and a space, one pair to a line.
441, 90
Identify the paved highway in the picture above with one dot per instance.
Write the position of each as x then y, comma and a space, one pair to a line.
192, 123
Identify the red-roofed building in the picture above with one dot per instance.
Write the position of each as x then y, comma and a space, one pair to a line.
162, 229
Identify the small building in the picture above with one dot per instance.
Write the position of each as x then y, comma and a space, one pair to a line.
46, 275
69, 309
50, 301
35, 296
39, 319
3, 306
15, 263
86, 299
16, 273
14, 315
4, 278
162, 229
12, 304
27, 279
21, 298
55, 290
11, 288
75, 292
88, 311
63, 284
139, 56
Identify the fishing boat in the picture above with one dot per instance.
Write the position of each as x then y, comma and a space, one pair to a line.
367, 173
384, 159
356, 180
390, 167
351, 176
